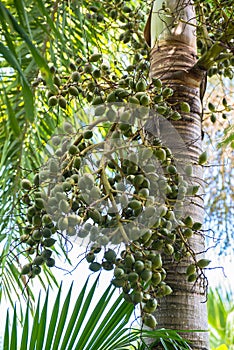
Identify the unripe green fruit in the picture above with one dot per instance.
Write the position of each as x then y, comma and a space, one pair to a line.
39, 202
88, 68
36, 180
64, 206
171, 169
53, 166
49, 242
73, 220
97, 100
46, 254
192, 277
36, 270
202, 263
62, 102
97, 73
77, 163
141, 86
100, 110
175, 116
150, 306
129, 260
157, 83
90, 257
39, 260
37, 235
162, 110
167, 92
53, 101
188, 170
197, 226
46, 232
137, 297
211, 107
72, 66
108, 266
95, 57
144, 192
145, 237
156, 278
202, 158
26, 269
94, 266
162, 210
144, 100
135, 204
165, 289
110, 255
146, 275
156, 261
50, 262
95, 215
139, 266
36, 220
161, 154
63, 223
118, 272
188, 221
195, 189
75, 76
66, 188
111, 97
133, 277
133, 100
185, 108
191, 269
31, 211
150, 321
57, 80
88, 134
26, 184
73, 91
213, 118
118, 282
168, 249
188, 232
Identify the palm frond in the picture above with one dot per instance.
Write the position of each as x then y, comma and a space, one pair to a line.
220, 316
74, 323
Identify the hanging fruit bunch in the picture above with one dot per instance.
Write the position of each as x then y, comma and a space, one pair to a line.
121, 194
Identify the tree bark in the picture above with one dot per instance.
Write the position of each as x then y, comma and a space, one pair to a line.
171, 33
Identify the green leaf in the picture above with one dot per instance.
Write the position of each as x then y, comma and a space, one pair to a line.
6, 340
12, 118
13, 341
42, 324
53, 320
24, 339
33, 335
27, 93
39, 59
62, 320
67, 330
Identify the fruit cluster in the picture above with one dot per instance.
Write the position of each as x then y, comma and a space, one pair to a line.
120, 192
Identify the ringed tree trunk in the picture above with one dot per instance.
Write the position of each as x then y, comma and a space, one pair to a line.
171, 33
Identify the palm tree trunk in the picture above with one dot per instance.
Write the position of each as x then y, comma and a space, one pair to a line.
171, 32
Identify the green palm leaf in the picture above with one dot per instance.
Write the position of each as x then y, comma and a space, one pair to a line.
69, 327
220, 316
